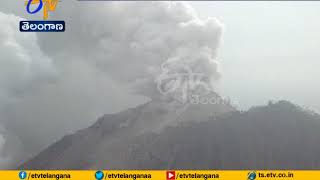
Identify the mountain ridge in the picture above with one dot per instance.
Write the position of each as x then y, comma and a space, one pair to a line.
265, 137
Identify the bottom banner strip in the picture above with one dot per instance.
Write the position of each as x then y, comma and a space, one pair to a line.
161, 175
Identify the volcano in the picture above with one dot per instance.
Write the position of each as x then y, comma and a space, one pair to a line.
169, 135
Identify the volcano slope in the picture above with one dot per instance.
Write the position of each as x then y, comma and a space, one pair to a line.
154, 136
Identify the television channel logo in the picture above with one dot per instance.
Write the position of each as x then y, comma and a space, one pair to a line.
46, 5
22, 175
35, 6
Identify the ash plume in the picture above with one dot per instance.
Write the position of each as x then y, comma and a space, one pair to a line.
110, 55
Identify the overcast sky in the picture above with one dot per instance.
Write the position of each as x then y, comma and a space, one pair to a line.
270, 50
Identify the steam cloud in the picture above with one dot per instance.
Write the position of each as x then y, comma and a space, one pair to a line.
23, 67
53, 84
130, 41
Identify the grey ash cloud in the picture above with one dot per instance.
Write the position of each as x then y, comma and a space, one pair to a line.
106, 61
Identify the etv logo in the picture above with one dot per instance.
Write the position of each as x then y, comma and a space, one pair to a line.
42, 26
47, 5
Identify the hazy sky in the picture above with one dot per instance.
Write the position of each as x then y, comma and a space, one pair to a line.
270, 50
